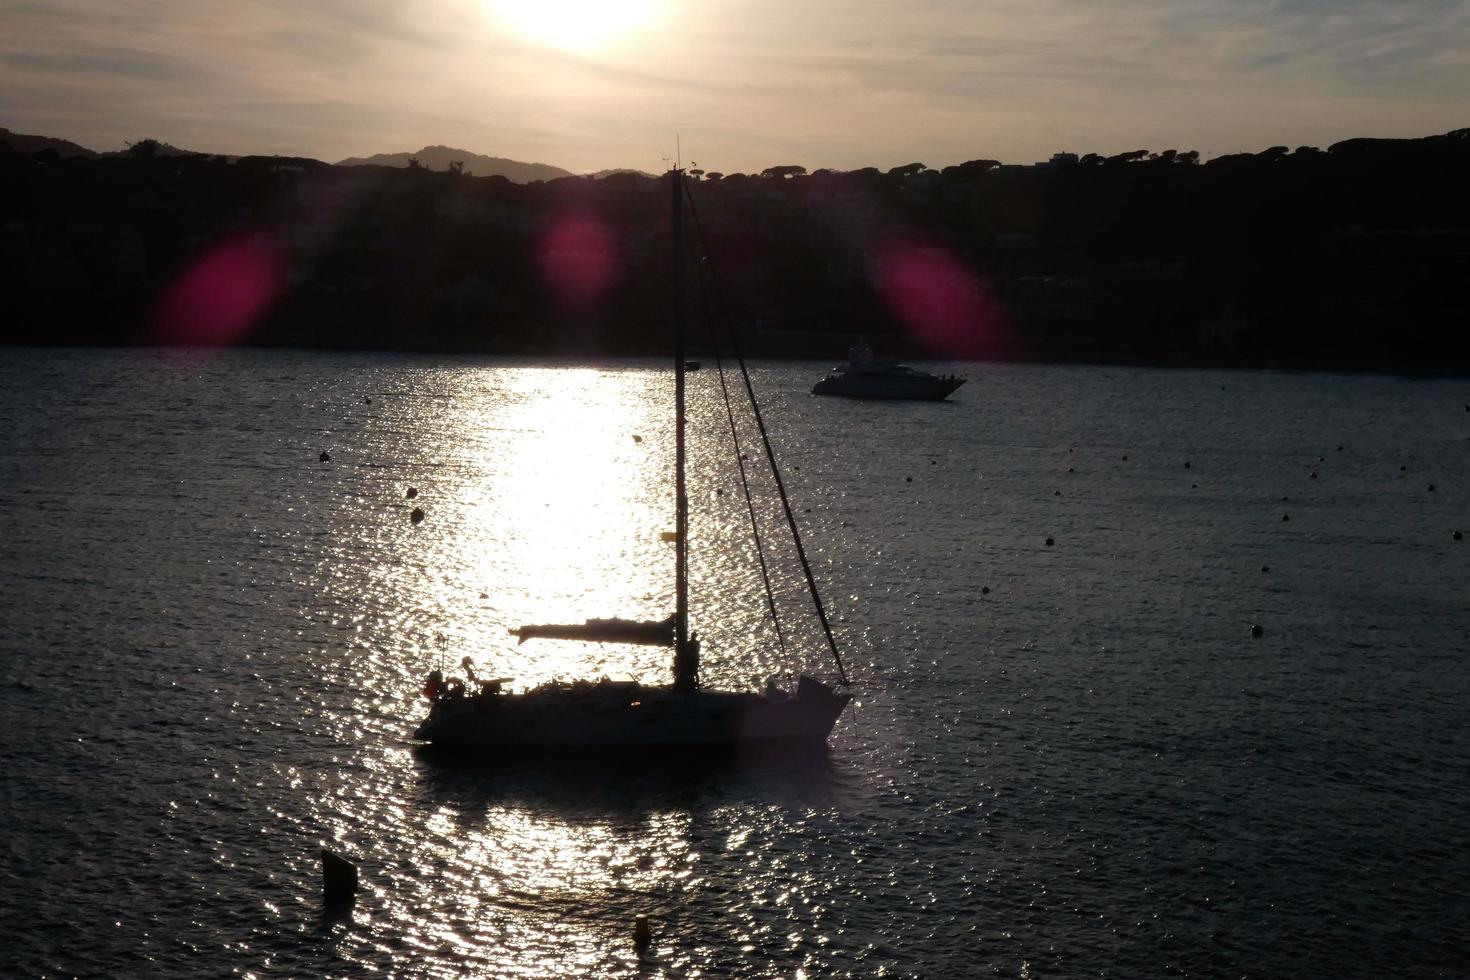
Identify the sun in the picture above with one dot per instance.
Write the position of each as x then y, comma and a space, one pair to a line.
578, 26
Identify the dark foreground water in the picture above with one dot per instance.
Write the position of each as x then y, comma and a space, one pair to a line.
212, 646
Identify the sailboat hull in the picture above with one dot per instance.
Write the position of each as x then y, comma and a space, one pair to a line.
616, 716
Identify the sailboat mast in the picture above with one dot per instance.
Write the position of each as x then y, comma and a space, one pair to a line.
686, 655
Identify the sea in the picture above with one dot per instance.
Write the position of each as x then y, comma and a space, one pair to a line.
1156, 672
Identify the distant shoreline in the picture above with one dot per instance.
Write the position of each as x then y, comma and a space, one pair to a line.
1351, 258
1337, 364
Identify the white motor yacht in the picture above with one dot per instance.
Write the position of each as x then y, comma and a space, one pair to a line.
866, 376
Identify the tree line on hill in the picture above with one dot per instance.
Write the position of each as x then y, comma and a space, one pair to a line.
1351, 256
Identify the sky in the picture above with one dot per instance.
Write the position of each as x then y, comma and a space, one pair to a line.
741, 84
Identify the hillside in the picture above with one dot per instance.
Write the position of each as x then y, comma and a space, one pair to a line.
440, 157
21, 143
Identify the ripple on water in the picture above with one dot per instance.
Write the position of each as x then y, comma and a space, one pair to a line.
215, 641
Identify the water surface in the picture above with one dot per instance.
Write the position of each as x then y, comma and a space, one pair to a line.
213, 645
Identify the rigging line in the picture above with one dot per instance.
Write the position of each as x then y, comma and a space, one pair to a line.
760, 550
760, 424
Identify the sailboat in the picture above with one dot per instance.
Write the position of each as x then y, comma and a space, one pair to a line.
609, 713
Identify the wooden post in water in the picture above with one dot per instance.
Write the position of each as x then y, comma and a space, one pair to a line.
339, 879
640, 933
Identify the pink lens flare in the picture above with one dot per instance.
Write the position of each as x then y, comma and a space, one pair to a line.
218, 299
943, 304
578, 258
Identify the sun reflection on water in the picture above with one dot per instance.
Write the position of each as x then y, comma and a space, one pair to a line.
544, 491
587, 495
545, 494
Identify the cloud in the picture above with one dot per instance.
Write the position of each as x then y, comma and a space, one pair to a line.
826, 82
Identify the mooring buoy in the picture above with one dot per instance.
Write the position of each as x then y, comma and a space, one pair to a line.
412, 493
417, 515
1257, 632
325, 457
1050, 542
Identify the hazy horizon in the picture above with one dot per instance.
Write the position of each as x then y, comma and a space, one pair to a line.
745, 86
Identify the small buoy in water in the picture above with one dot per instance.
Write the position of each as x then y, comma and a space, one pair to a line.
366, 400
417, 516
1431, 488
412, 493
1284, 498
1457, 536
1050, 542
325, 457
1286, 517
1265, 568
637, 438
1257, 632
908, 479
1069, 469
933, 462
1186, 464
1194, 486
719, 491
484, 595
1314, 474
1403, 469
1056, 493
640, 932
339, 879
1339, 448
985, 590
1125, 457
